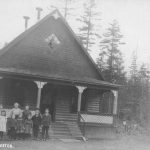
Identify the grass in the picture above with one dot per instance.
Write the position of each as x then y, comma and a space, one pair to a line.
124, 143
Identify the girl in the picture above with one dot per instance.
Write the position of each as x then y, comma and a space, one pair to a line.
3, 121
36, 123
46, 120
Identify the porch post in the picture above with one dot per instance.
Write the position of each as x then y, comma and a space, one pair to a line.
115, 102
40, 86
80, 90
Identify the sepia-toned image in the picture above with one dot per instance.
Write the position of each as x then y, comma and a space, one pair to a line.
75, 74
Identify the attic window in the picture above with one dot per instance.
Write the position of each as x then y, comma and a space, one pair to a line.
52, 40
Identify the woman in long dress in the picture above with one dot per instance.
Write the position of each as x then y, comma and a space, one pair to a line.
16, 111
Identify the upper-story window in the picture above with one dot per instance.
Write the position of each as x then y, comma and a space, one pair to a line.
52, 40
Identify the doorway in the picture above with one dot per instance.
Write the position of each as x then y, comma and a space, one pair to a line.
48, 100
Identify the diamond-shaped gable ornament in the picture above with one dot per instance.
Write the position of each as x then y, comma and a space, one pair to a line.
52, 40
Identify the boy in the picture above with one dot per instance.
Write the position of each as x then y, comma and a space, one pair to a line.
28, 126
36, 123
46, 120
26, 113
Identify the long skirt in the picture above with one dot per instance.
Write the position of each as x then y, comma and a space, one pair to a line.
20, 126
28, 129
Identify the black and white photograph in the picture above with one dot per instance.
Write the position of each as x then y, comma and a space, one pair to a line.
75, 74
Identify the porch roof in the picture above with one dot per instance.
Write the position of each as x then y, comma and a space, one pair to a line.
85, 81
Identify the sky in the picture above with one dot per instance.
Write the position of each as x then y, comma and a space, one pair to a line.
133, 17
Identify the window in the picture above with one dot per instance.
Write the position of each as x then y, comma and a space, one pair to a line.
107, 103
52, 41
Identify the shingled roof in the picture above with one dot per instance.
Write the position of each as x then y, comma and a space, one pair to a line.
50, 49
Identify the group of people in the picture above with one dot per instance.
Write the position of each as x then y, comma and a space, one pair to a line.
22, 124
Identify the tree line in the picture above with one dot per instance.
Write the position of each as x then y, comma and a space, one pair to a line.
134, 91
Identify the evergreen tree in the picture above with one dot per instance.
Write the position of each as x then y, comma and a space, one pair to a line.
144, 73
133, 67
86, 32
110, 57
144, 76
138, 91
68, 8
65, 6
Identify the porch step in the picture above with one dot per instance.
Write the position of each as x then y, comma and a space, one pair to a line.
75, 130
62, 107
66, 125
66, 130
62, 111
66, 117
67, 114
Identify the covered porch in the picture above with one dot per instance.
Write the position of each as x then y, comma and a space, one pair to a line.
80, 98
72, 105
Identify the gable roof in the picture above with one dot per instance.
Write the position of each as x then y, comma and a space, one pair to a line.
30, 53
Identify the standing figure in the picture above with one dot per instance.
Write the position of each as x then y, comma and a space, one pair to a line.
46, 120
3, 121
11, 125
16, 111
26, 113
36, 123
28, 124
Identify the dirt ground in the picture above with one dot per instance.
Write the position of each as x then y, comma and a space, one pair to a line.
124, 143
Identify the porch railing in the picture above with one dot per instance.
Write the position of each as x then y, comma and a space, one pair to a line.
97, 119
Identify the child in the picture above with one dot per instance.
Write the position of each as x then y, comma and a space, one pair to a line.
36, 123
46, 120
28, 126
26, 113
12, 123
3, 121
